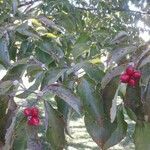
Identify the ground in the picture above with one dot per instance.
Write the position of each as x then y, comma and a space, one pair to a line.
82, 141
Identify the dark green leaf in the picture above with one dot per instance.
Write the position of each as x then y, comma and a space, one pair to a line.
32, 88
54, 127
112, 74
4, 54
5, 86
51, 48
81, 46
120, 132
53, 75
91, 100
142, 136
66, 95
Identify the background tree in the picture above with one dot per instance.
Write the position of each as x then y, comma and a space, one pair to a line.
73, 53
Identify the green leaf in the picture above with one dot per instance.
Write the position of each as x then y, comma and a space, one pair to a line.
51, 48
66, 95
75, 67
108, 96
33, 141
131, 114
94, 72
28, 31
26, 49
113, 110
112, 74
3, 119
120, 37
52, 75
54, 127
133, 101
91, 100
81, 46
32, 88
48, 23
33, 70
142, 136
64, 109
120, 131
98, 133
9, 135
15, 72
20, 139
145, 61
5, 86
120, 53
4, 54
43, 56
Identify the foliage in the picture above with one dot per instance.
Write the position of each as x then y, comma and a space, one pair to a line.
60, 47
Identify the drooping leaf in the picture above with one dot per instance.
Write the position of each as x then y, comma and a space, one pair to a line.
120, 37
33, 141
75, 68
113, 110
99, 133
32, 88
141, 136
26, 49
51, 48
111, 74
94, 72
120, 131
108, 96
48, 23
54, 127
145, 61
5, 86
91, 100
20, 136
133, 101
120, 53
66, 95
53, 75
3, 119
33, 70
64, 109
131, 114
4, 54
9, 135
43, 56
27, 30
81, 46
15, 72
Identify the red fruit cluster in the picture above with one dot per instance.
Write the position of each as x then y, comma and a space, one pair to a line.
130, 76
33, 116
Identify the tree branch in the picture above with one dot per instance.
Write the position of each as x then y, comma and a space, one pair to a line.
28, 3
117, 9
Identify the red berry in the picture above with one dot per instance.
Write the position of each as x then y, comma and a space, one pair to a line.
34, 121
137, 75
130, 70
124, 78
34, 111
132, 82
27, 112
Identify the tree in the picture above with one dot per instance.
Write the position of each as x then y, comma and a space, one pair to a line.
60, 46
